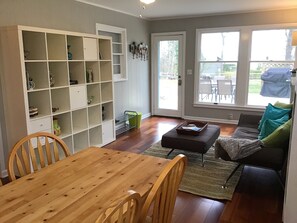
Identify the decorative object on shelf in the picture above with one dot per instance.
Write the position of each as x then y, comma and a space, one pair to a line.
26, 54
89, 76
30, 82
52, 80
139, 50
103, 113
69, 53
90, 99
54, 109
72, 82
56, 126
100, 56
33, 111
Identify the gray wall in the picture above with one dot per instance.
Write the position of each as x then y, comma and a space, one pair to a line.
70, 15
75, 16
191, 24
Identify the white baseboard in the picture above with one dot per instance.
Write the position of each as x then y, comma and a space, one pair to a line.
224, 121
146, 115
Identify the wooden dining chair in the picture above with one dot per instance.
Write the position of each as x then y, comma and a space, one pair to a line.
34, 152
163, 193
126, 210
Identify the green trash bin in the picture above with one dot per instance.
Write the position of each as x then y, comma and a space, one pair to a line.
134, 118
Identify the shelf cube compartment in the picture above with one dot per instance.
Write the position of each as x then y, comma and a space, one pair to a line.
106, 92
94, 68
106, 70
104, 49
64, 121
95, 115
75, 48
56, 46
81, 141
93, 92
60, 100
37, 72
117, 47
58, 74
77, 72
69, 142
41, 101
90, 48
95, 135
79, 120
107, 111
34, 45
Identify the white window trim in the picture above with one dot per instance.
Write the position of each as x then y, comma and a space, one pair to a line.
244, 56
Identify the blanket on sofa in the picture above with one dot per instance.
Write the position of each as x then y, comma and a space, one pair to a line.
238, 148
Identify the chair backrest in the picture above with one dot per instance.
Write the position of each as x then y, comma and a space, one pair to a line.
33, 152
126, 210
205, 86
163, 193
224, 87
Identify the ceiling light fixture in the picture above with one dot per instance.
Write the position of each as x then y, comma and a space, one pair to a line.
147, 1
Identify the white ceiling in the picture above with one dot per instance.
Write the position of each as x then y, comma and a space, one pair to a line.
161, 9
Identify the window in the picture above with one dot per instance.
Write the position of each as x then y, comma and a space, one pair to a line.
272, 59
119, 49
218, 66
244, 66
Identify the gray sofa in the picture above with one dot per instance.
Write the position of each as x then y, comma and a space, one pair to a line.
272, 158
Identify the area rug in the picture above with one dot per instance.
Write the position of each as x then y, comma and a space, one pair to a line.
204, 181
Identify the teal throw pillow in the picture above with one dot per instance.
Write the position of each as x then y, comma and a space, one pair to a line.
280, 137
270, 125
274, 113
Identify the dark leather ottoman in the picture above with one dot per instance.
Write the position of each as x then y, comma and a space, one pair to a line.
200, 143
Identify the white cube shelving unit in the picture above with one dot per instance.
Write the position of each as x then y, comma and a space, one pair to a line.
42, 56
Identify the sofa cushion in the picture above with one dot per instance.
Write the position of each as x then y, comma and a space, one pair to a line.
283, 105
270, 125
266, 157
246, 133
280, 137
274, 113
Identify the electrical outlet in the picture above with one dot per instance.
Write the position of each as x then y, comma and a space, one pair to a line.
230, 116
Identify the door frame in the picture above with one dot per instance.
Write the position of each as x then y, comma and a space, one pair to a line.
154, 65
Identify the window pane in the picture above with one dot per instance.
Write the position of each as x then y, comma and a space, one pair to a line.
269, 82
219, 46
168, 74
217, 82
272, 45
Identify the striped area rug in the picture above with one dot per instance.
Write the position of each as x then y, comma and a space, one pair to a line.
204, 181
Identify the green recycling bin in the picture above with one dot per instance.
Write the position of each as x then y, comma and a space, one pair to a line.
134, 118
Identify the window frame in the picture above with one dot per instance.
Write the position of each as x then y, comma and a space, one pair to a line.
243, 64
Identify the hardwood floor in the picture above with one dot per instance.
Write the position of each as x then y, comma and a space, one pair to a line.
258, 197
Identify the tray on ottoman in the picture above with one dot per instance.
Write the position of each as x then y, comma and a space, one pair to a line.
191, 128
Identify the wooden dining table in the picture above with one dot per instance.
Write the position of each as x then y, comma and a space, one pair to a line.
78, 188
